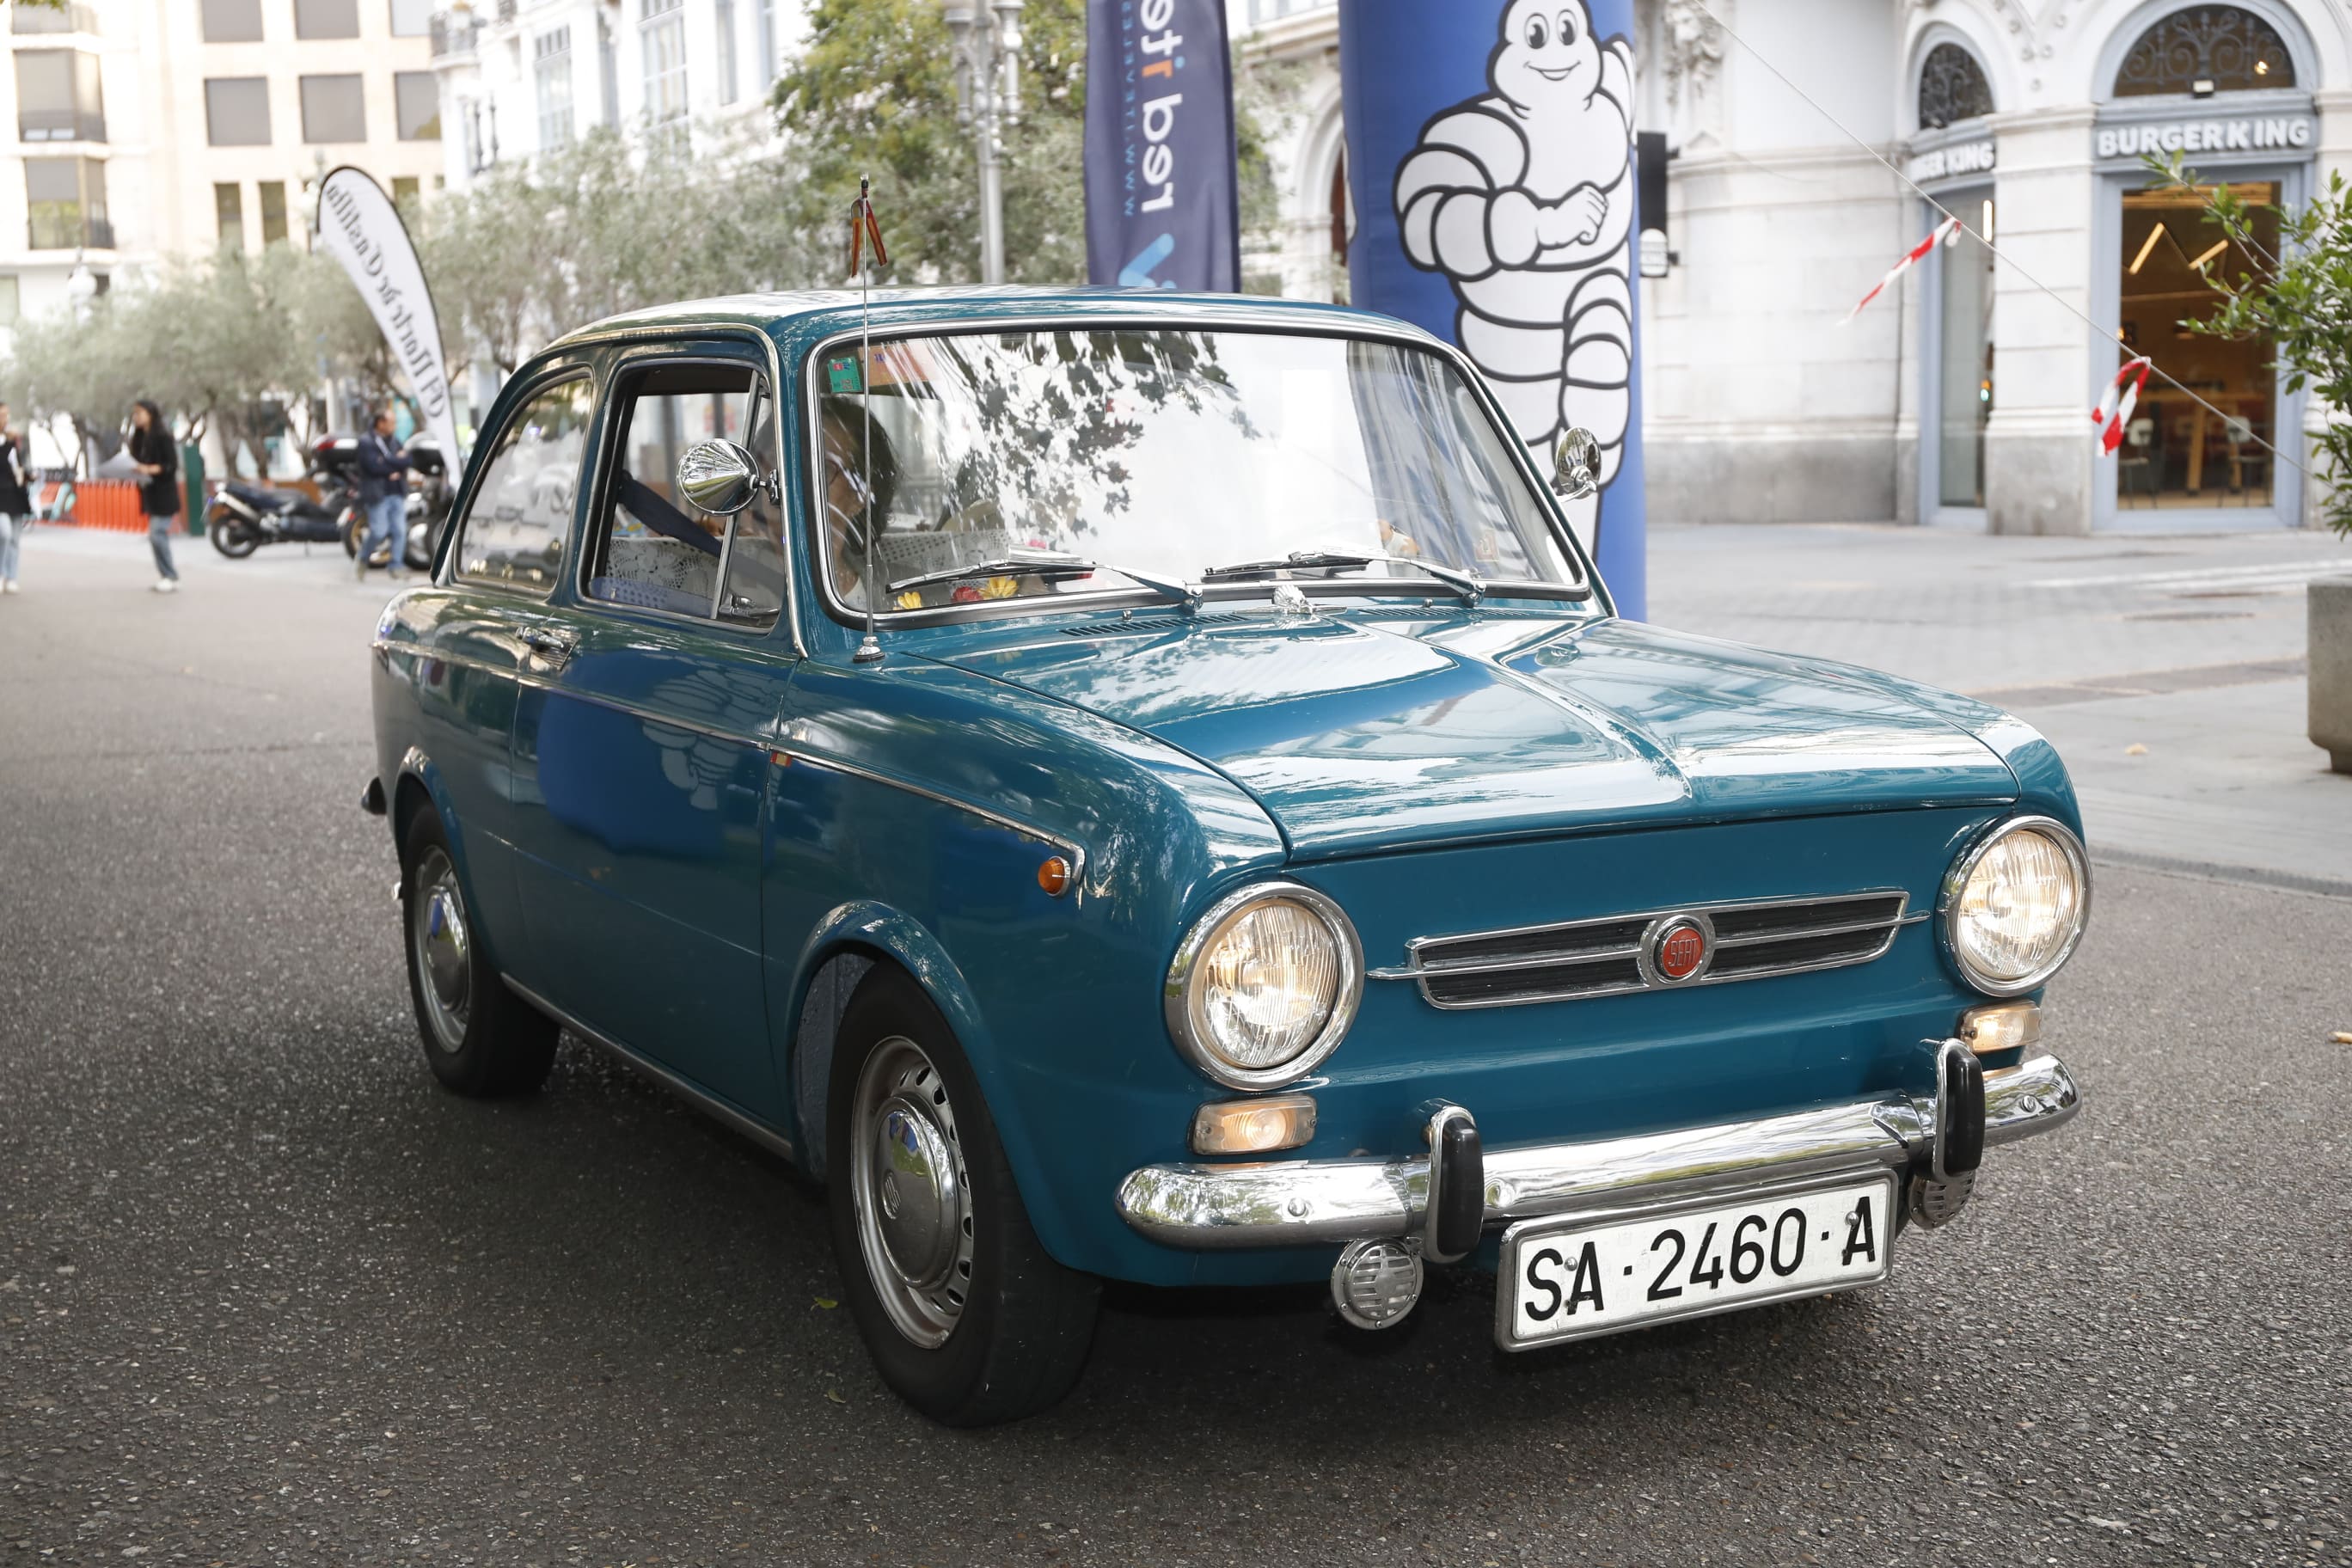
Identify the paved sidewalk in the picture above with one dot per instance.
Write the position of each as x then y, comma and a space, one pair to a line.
2169, 672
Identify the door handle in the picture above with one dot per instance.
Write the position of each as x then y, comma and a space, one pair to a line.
549, 647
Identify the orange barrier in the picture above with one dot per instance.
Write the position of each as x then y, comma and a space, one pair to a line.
110, 504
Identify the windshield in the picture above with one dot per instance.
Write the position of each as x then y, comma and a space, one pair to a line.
1171, 452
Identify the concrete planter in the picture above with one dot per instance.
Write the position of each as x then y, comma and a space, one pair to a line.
2331, 671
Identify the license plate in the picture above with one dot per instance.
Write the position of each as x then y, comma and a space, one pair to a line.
1596, 1274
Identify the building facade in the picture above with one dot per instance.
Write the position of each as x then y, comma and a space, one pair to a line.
1962, 398
149, 129
522, 76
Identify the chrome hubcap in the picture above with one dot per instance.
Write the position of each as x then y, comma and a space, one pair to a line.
907, 1186
444, 947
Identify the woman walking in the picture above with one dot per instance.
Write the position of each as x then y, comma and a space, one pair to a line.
16, 504
159, 493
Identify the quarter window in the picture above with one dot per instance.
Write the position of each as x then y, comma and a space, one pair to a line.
521, 510
653, 549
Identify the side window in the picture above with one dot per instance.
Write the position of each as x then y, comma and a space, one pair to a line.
522, 511
653, 548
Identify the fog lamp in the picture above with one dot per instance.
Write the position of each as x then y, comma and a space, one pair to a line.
2004, 1027
1253, 1126
1375, 1283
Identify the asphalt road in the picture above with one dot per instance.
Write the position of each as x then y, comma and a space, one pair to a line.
268, 1296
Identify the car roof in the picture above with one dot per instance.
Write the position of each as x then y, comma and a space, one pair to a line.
796, 318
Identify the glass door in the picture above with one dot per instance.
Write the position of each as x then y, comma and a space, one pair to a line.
2181, 453
1956, 360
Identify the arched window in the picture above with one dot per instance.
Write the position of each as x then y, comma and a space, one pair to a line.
2206, 49
1952, 88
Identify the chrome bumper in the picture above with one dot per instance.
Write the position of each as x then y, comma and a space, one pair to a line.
1311, 1202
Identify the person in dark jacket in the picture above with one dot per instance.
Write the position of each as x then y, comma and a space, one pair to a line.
384, 492
153, 454
16, 500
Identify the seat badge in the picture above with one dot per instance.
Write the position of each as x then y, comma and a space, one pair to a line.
1678, 949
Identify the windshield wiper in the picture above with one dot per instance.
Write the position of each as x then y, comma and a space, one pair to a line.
1049, 566
1468, 584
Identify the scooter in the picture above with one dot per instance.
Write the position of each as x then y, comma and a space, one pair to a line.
242, 518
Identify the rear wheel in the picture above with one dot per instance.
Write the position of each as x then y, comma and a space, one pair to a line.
234, 537
480, 1037
965, 1314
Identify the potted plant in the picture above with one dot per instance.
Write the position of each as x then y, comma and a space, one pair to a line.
2303, 304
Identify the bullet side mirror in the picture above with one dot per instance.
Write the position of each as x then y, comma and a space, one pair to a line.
1576, 464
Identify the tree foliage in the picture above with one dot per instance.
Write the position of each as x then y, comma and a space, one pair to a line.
2302, 302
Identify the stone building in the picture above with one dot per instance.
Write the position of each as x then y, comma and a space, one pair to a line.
1963, 399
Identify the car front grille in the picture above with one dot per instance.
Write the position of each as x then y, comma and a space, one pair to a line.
1607, 956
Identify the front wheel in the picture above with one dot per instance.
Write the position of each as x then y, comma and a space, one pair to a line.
480, 1037
967, 1317
354, 530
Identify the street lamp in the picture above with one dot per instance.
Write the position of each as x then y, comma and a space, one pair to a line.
987, 40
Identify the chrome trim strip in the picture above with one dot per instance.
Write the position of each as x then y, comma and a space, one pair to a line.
701, 1099
1310, 1203
1588, 573
1070, 846
765, 740
759, 740
1415, 969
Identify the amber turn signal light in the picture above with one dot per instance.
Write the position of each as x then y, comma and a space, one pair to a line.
1054, 876
2004, 1027
1253, 1126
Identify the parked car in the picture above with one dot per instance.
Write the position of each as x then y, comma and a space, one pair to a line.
1150, 788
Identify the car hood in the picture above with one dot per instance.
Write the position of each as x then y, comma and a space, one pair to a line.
1366, 730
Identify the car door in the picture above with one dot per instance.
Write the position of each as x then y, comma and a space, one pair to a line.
471, 644
642, 735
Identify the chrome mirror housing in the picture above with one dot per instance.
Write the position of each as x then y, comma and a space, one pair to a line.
717, 476
1576, 464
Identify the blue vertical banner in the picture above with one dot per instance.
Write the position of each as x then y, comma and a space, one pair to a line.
1490, 152
1163, 199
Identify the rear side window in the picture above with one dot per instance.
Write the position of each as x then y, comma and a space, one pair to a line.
655, 549
515, 530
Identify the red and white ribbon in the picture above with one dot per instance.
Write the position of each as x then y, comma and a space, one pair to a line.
1949, 229
2116, 404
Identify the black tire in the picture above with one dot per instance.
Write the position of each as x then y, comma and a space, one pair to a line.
480, 1037
355, 529
234, 538
1017, 1341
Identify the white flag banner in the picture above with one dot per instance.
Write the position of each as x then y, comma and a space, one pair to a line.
359, 227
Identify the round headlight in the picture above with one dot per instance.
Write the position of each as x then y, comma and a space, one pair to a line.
2015, 904
1265, 985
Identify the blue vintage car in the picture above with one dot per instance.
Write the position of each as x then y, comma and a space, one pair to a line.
1150, 788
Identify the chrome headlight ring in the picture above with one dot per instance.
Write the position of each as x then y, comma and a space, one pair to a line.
1956, 881
1182, 1002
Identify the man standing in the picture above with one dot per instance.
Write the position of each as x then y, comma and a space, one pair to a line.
383, 498
15, 503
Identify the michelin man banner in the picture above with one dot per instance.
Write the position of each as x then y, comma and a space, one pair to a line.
1490, 152
359, 227
1162, 198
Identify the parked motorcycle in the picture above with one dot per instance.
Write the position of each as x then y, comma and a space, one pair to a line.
242, 518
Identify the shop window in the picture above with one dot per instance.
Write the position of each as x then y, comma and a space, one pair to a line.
1964, 385
228, 214
332, 110
2205, 49
2178, 451
1952, 88
236, 111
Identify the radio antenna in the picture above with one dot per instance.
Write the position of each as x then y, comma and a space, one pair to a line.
862, 227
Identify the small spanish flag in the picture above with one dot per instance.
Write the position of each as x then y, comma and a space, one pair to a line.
863, 227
